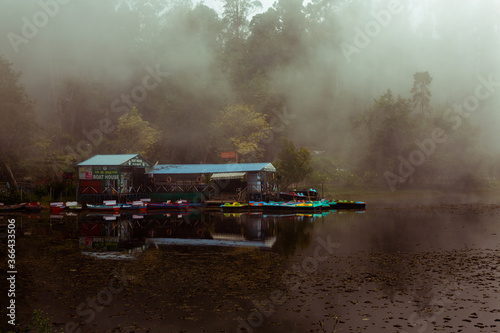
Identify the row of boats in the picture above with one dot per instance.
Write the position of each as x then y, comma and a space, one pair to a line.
108, 205
113, 206
294, 205
298, 201
28, 207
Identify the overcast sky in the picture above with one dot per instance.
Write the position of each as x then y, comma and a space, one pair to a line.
217, 5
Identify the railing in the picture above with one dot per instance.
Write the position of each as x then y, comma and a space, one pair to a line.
173, 188
121, 197
243, 194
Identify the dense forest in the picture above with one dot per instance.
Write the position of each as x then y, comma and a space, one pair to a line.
381, 93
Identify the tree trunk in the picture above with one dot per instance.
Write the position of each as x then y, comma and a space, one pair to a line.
9, 170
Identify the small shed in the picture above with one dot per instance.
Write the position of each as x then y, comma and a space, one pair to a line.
112, 175
246, 180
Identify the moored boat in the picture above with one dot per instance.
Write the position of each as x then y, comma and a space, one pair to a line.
227, 206
10, 208
33, 207
256, 205
135, 205
73, 205
103, 207
287, 206
347, 204
168, 205
108, 205
57, 207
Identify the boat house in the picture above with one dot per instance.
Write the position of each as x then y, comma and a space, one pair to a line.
115, 177
130, 177
241, 181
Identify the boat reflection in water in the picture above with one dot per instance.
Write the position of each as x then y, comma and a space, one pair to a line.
129, 234
105, 236
211, 229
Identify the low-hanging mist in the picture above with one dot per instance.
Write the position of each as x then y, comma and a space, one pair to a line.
323, 63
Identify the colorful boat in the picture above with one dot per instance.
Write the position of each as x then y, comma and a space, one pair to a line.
298, 206
287, 206
256, 205
227, 206
168, 205
135, 205
57, 207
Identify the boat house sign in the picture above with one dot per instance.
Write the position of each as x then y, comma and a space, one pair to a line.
106, 173
137, 162
99, 173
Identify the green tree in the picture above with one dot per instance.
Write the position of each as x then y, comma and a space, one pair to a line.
134, 135
421, 92
293, 165
17, 119
292, 34
244, 129
384, 132
236, 13
263, 51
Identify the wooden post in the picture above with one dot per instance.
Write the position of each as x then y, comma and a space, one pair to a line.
11, 174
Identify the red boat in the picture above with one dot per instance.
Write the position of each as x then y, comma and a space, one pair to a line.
57, 207
33, 207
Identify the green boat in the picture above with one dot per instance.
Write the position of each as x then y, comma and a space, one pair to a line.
235, 206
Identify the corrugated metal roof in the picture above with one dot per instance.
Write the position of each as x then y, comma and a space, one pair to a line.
228, 175
185, 169
110, 160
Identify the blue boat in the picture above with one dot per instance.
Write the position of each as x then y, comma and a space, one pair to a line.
135, 205
167, 205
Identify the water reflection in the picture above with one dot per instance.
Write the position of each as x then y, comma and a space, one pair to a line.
135, 232
388, 261
127, 231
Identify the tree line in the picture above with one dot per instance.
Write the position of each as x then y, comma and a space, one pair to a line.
181, 83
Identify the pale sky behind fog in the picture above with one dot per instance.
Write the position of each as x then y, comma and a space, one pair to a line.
217, 5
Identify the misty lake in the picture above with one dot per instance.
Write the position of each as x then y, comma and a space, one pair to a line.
403, 265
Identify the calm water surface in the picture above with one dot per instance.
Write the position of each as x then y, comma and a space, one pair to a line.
406, 265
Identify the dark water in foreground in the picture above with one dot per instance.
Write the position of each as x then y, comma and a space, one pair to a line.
412, 266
